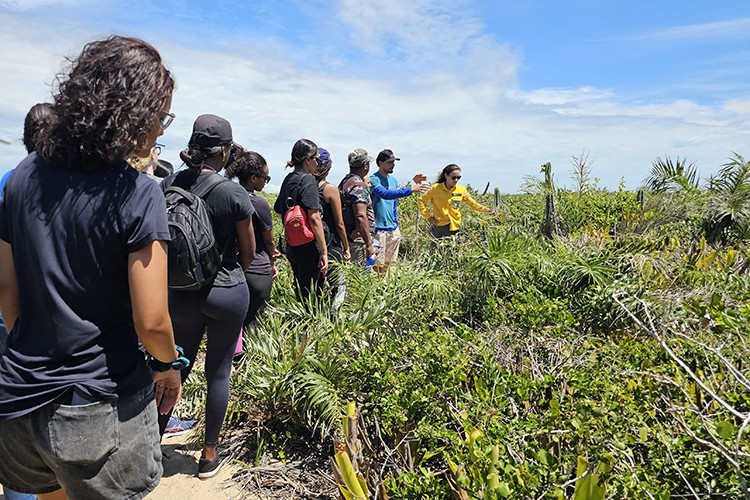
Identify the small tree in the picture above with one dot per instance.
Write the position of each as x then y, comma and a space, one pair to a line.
729, 203
581, 172
668, 175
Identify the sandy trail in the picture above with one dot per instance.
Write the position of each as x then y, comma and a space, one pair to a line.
180, 480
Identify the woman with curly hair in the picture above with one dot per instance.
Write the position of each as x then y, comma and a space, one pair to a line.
82, 280
218, 309
251, 170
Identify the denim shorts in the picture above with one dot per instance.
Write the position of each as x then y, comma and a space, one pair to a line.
100, 450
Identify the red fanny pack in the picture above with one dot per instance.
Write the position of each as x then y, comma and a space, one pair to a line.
297, 227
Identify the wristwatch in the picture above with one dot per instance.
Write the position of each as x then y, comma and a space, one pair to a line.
178, 364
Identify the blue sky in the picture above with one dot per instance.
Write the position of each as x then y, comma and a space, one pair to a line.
498, 87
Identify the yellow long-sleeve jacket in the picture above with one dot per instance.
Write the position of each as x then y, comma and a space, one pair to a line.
446, 204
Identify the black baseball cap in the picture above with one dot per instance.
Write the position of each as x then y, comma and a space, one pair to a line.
386, 155
210, 131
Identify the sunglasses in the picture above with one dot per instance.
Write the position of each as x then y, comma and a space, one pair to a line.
455, 177
166, 121
266, 178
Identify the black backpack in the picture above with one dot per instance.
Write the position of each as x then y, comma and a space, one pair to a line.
193, 259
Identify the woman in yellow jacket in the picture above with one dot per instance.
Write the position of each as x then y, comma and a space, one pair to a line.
446, 197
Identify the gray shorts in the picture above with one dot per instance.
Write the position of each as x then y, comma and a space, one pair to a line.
101, 450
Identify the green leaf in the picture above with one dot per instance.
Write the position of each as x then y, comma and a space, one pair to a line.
726, 429
503, 490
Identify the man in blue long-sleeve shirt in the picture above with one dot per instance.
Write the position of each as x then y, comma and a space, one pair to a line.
385, 193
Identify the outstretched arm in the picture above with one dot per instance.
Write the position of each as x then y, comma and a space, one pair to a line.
391, 194
475, 205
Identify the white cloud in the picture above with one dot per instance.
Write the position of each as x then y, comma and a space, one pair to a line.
460, 103
430, 36
23, 5
558, 97
719, 29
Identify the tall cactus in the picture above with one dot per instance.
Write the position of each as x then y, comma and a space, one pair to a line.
552, 223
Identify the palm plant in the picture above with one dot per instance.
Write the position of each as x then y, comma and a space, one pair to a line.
499, 267
668, 175
729, 202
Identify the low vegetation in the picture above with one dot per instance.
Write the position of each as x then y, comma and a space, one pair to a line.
607, 363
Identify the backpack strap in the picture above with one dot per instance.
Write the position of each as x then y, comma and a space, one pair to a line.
212, 181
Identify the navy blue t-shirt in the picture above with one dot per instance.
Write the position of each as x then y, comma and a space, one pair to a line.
261, 222
71, 233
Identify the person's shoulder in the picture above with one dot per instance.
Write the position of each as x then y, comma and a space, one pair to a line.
259, 202
232, 190
309, 179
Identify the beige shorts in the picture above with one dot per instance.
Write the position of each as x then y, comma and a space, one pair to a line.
389, 244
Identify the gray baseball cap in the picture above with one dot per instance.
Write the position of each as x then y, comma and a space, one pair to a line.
359, 157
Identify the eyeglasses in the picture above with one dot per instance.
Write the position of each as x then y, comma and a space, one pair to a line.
157, 148
316, 158
455, 177
166, 121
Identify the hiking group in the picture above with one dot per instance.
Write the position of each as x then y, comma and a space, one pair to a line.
109, 280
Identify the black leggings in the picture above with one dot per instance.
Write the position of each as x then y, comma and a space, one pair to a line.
304, 260
219, 312
259, 286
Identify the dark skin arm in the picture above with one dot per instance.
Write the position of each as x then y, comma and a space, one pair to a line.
272, 252
360, 219
320, 238
332, 196
245, 242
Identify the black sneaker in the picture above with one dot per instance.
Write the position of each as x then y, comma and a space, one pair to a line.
209, 468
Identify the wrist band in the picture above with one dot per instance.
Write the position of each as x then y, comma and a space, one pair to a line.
178, 364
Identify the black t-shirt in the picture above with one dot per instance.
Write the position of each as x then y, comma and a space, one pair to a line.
261, 222
71, 234
227, 203
300, 189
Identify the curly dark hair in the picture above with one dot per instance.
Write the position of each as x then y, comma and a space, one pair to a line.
447, 170
106, 105
244, 164
39, 116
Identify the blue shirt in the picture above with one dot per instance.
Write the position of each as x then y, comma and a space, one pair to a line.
385, 193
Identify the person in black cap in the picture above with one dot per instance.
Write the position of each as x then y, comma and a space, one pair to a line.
385, 194
219, 308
